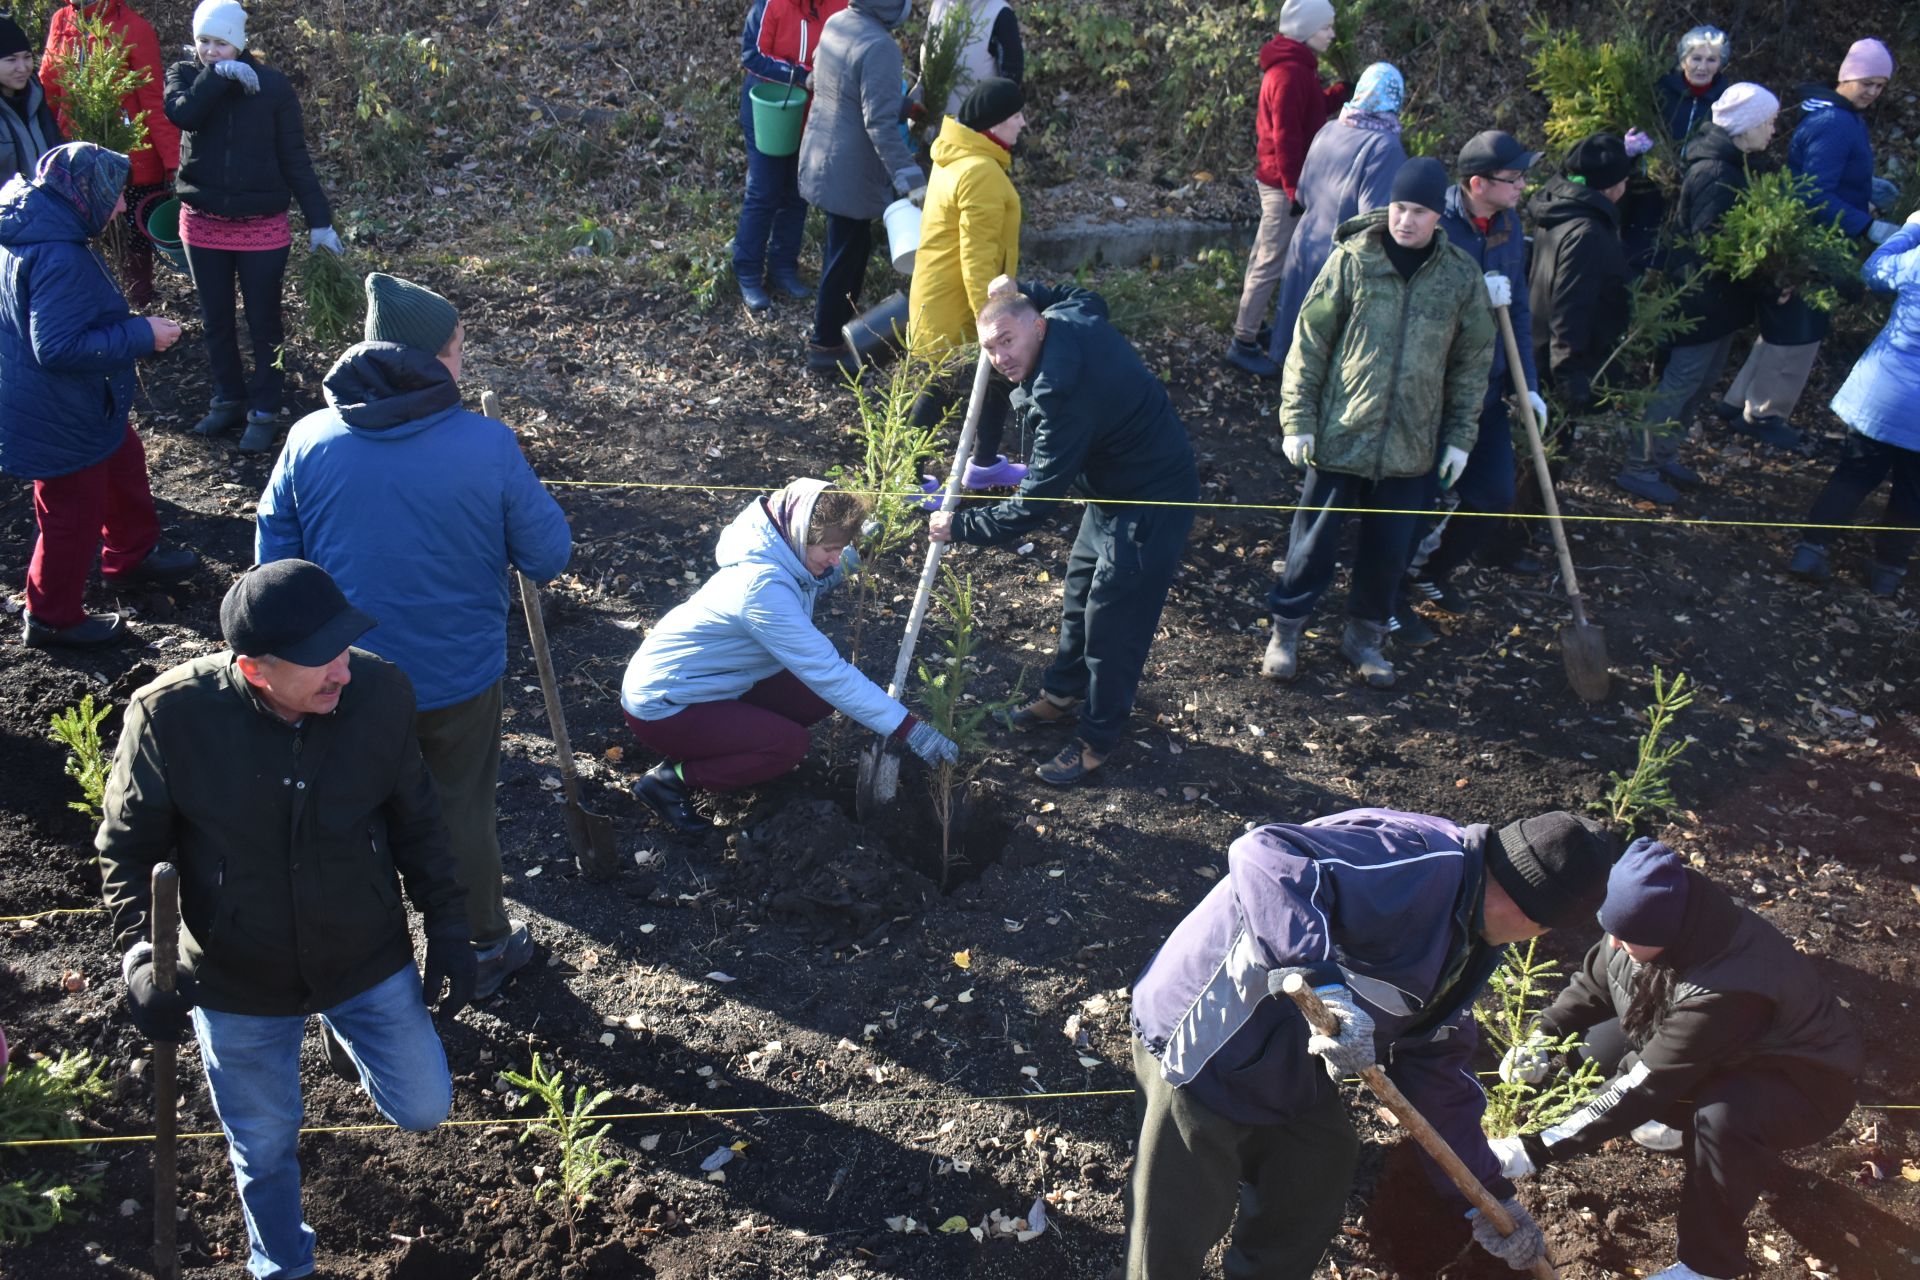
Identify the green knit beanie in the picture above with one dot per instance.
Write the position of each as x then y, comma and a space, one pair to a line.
409, 314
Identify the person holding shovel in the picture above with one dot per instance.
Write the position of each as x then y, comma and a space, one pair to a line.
1719, 1038
726, 685
1398, 920
420, 509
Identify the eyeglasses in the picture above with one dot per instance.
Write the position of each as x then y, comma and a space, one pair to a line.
1518, 180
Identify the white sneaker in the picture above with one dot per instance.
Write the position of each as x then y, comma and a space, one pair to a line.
1655, 1136
1680, 1271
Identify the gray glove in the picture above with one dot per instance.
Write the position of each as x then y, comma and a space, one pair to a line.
1351, 1050
1881, 232
233, 69
1517, 1250
1526, 1062
325, 238
931, 745
1886, 194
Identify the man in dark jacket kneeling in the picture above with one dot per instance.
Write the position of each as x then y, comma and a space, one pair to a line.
285, 781
1398, 920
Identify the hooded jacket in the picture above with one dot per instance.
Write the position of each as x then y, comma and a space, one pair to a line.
1880, 392
1502, 249
1387, 904
778, 43
1683, 111
155, 162
969, 233
751, 620
1580, 286
1384, 369
242, 155
417, 508
853, 161
1716, 175
24, 139
1293, 105
67, 340
1832, 147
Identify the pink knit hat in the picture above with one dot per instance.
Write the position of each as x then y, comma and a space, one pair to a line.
1867, 60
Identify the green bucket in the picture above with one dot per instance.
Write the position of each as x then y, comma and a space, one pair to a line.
163, 228
778, 110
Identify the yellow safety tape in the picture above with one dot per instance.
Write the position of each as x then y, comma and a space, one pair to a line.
56, 911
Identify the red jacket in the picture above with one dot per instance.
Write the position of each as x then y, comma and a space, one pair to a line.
782, 35
1293, 106
156, 162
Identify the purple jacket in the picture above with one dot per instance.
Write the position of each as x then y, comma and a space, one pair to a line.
1387, 903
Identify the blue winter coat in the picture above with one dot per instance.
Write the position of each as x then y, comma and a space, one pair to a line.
1681, 110
1502, 249
752, 619
417, 508
1879, 395
67, 340
1831, 146
1387, 904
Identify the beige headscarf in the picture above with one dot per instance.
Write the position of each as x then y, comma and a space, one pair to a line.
792, 511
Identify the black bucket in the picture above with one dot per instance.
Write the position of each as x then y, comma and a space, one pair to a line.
879, 334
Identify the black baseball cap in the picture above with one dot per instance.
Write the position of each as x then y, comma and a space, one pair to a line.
1493, 151
291, 610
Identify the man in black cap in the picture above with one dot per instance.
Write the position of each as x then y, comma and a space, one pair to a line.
1579, 278
1398, 920
284, 780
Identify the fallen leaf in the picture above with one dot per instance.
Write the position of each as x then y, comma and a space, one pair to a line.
1910, 1173
964, 959
615, 754
965, 997
954, 1225
717, 976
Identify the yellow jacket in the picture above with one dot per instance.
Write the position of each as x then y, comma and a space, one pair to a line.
969, 233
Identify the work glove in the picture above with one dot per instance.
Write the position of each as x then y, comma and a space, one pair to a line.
1351, 1049
931, 745
1539, 410
1638, 143
160, 1015
1517, 1250
233, 69
1526, 1062
325, 238
849, 561
1499, 289
1452, 465
1885, 194
450, 961
1299, 450
1913, 219
1880, 232
918, 196
1512, 1155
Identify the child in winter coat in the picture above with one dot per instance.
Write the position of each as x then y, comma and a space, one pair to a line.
28, 127
243, 161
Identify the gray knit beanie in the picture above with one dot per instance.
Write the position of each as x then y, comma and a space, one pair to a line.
409, 314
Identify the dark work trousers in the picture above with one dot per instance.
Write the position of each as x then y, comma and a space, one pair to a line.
1193, 1166
1859, 472
1735, 1125
1116, 583
1313, 548
950, 393
773, 217
1691, 372
258, 275
461, 747
1485, 489
843, 269
721, 746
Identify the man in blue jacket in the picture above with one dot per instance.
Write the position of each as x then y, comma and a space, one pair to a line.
1100, 421
1398, 919
417, 508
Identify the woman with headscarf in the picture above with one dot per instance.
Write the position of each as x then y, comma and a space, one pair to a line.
726, 685
1688, 92
1348, 171
67, 347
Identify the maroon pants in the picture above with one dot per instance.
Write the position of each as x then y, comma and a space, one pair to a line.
722, 746
107, 504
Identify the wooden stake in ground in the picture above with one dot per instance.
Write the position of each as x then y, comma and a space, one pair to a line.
163, 921
1295, 987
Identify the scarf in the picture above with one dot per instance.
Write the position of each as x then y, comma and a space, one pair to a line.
1371, 121
792, 512
86, 176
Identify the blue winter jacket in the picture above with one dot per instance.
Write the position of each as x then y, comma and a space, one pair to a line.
752, 619
1386, 903
1831, 146
1502, 249
417, 508
1879, 395
67, 340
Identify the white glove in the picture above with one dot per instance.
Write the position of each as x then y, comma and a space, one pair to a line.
1525, 1062
1517, 1250
1452, 465
918, 197
1512, 1155
233, 69
1880, 231
325, 238
1299, 450
1350, 1049
1913, 219
1499, 289
1539, 410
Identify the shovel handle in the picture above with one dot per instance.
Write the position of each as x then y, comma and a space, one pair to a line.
163, 922
1540, 470
1324, 1023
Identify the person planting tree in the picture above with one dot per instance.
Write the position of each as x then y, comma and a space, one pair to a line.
1721, 1041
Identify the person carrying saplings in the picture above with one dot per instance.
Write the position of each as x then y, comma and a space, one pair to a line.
28, 126
853, 161
1100, 422
1387, 372
1397, 920
243, 161
993, 50
727, 684
1878, 402
1579, 284
1293, 105
281, 776
1719, 1039
969, 236
420, 510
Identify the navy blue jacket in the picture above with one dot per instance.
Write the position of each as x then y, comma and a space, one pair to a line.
1831, 146
1681, 110
67, 339
417, 508
1502, 249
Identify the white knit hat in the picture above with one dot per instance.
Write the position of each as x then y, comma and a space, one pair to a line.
223, 20
1744, 106
1301, 18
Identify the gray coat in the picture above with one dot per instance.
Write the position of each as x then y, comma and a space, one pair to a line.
24, 139
1348, 171
853, 160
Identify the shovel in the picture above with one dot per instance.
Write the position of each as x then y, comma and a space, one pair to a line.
163, 922
1583, 646
589, 834
879, 779
1295, 986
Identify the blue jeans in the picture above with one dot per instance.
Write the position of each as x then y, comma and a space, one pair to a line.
773, 217
253, 1074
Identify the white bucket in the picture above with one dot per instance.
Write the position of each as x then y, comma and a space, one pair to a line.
903, 234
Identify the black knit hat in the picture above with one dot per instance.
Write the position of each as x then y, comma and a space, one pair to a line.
993, 101
12, 39
291, 610
1421, 180
1554, 866
1599, 160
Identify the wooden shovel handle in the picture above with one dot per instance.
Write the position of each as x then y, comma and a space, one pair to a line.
1409, 1116
1540, 469
163, 922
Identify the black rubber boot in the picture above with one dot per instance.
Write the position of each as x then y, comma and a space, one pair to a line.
98, 629
665, 793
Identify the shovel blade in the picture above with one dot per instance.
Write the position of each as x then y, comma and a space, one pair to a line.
878, 783
590, 836
1584, 650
